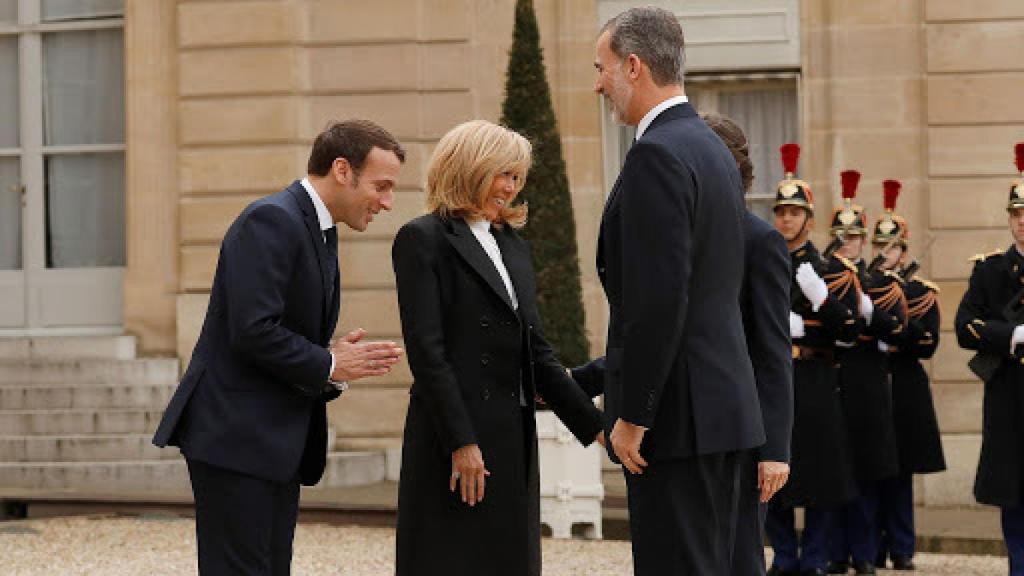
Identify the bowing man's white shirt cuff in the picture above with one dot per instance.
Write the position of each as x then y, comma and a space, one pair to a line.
341, 386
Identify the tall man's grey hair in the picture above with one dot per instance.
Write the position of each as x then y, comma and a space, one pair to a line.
655, 36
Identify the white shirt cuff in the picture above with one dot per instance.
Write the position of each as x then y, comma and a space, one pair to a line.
342, 386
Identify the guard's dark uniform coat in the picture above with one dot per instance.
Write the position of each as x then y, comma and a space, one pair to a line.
981, 326
867, 391
917, 430
820, 465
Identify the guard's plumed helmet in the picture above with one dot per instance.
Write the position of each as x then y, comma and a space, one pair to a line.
890, 226
1017, 188
790, 191
849, 220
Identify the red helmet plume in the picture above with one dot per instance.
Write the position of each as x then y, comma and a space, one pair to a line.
790, 156
849, 179
890, 191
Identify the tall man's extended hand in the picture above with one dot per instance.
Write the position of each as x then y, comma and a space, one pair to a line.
626, 439
354, 359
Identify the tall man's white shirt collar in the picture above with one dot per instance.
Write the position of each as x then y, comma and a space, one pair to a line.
322, 213
645, 122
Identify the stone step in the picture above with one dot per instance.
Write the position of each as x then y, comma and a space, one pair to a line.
120, 347
68, 396
82, 421
82, 448
139, 371
343, 469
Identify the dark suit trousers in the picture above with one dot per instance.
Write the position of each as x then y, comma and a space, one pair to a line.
682, 515
748, 551
244, 525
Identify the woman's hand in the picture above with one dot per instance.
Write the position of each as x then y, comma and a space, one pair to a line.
468, 470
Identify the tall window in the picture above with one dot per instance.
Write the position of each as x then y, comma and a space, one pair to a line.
764, 106
62, 131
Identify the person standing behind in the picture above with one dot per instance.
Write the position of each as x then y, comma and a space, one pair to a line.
983, 325
250, 413
866, 391
764, 302
823, 299
681, 404
917, 430
467, 297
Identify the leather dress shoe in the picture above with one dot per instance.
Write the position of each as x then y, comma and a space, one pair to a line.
838, 567
863, 568
776, 571
902, 563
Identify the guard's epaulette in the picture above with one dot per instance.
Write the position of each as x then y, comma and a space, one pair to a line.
846, 262
982, 257
894, 275
927, 283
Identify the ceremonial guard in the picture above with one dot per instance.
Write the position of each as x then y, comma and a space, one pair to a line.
824, 296
866, 389
917, 430
990, 321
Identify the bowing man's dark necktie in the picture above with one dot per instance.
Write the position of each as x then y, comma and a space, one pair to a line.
331, 240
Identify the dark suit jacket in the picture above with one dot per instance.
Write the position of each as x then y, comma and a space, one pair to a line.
471, 356
670, 258
253, 399
765, 304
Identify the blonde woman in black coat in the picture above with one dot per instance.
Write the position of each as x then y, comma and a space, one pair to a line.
469, 494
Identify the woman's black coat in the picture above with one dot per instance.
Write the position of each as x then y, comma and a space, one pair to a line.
470, 352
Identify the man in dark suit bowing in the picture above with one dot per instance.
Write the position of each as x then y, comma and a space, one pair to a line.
681, 405
250, 413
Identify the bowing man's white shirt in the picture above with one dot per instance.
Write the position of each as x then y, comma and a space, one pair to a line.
323, 216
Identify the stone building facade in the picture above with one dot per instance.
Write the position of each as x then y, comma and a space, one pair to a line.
222, 98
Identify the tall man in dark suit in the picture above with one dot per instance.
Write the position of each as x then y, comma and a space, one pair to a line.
250, 413
681, 405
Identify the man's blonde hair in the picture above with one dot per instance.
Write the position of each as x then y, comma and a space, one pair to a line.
464, 165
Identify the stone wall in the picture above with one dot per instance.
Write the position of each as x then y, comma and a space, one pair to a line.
224, 97
257, 81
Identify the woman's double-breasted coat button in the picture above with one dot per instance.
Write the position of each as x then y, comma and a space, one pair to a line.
485, 321
485, 359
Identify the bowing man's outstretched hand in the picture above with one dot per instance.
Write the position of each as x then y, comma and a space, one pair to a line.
354, 359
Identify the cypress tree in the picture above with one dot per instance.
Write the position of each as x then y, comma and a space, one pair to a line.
551, 229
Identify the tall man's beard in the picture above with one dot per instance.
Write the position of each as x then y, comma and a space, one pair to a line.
618, 101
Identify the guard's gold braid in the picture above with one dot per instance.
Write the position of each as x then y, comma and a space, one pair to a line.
840, 287
890, 296
921, 305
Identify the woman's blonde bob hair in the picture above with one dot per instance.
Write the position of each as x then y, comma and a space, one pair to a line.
464, 165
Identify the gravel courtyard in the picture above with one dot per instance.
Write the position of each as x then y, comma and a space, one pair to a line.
97, 546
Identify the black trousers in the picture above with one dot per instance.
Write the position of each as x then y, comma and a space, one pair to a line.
244, 525
682, 515
748, 549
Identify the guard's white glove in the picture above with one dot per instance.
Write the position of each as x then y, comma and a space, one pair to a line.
813, 287
796, 325
1017, 338
883, 347
866, 308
